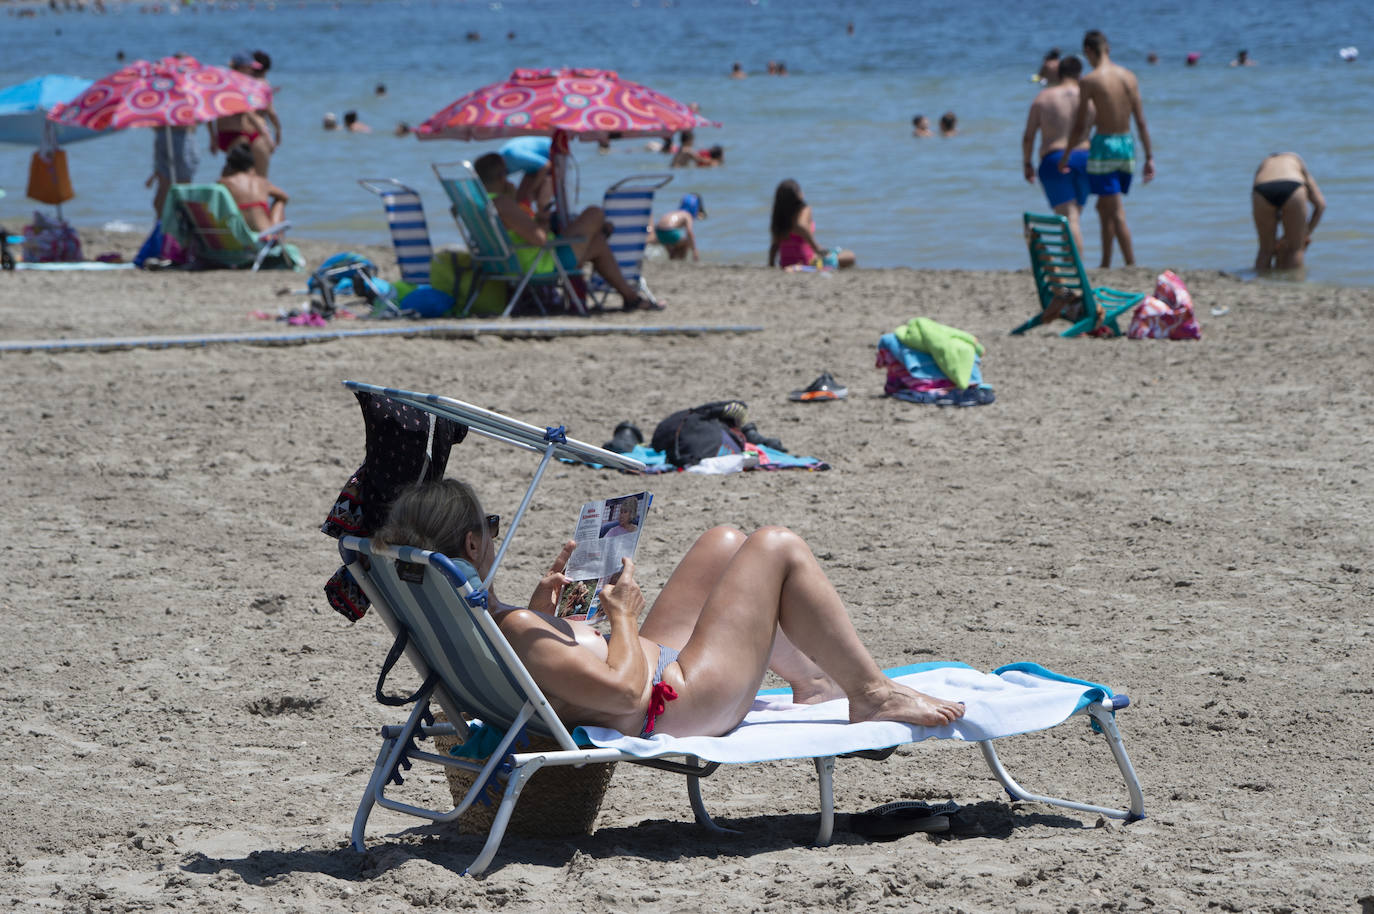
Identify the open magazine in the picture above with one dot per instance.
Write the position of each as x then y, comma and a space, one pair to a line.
606, 532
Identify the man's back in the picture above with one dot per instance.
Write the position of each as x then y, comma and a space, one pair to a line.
1053, 111
1113, 91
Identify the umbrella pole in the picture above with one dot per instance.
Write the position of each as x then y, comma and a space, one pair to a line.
558, 155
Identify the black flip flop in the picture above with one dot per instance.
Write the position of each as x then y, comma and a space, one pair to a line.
904, 817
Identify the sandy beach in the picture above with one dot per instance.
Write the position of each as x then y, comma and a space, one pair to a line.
189, 726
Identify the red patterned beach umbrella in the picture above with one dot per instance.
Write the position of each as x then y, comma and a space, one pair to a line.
590, 104
173, 92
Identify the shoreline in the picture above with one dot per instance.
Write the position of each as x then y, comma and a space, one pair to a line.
99, 239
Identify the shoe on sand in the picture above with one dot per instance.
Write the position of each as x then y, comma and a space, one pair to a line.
823, 388
626, 437
905, 817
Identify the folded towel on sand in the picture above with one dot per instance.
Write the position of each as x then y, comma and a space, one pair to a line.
954, 350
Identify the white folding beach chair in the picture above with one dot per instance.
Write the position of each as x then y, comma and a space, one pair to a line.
405, 216
629, 206
468, 666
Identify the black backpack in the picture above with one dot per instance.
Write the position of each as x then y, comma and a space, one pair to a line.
689, 436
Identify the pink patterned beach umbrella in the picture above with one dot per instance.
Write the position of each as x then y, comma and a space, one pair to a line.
173, 92
589, 104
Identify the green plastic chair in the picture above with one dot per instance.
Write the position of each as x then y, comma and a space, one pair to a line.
205, 220
491, 247
1056, 264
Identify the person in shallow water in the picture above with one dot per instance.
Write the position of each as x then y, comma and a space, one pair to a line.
1282, 192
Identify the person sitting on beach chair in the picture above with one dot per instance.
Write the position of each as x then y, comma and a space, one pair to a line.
262, 203
735, 606
528, 234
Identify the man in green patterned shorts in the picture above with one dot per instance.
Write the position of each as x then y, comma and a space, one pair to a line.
1109, 97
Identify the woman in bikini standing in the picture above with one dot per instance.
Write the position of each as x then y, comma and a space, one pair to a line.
1282, 190
734, 607
251, 127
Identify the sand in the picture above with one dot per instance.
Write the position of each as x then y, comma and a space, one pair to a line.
188, 726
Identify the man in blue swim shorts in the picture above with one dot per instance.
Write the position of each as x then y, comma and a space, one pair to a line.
1109, 97
1051, 115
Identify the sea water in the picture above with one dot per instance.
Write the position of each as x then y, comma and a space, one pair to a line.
839, 123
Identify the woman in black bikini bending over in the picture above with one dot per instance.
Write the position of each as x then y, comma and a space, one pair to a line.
1283, 189
735, 606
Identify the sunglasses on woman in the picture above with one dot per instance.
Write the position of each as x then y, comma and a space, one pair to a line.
493, 522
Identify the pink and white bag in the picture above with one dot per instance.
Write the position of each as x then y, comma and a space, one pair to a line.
1167, 314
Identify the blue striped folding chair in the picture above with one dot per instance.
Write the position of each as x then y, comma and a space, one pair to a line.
409, 232
440, 620
629, 206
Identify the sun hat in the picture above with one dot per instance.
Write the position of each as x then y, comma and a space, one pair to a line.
692, 203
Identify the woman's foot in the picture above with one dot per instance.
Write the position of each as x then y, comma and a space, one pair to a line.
894, 701
640, 303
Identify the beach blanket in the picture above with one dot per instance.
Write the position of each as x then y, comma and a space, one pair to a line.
954, 350
1018, 698
765, 458
74, 265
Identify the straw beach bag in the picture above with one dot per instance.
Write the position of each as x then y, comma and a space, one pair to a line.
556, 801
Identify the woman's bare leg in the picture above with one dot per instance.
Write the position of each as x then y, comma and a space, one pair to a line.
1294, 218
773, 580
1267, 227
677, 610
262, 154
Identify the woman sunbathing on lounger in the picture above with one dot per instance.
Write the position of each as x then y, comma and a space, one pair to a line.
734, 606
262, 203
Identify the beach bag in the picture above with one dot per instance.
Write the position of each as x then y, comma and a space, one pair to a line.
1167, 314
48, 178
404, 444
560, 800
451, 271
51, 241
690, 436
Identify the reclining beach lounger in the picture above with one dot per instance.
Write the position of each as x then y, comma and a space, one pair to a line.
443, 628
205, 220
1056, 264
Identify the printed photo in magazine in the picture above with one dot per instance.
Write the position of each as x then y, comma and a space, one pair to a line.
606, 532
